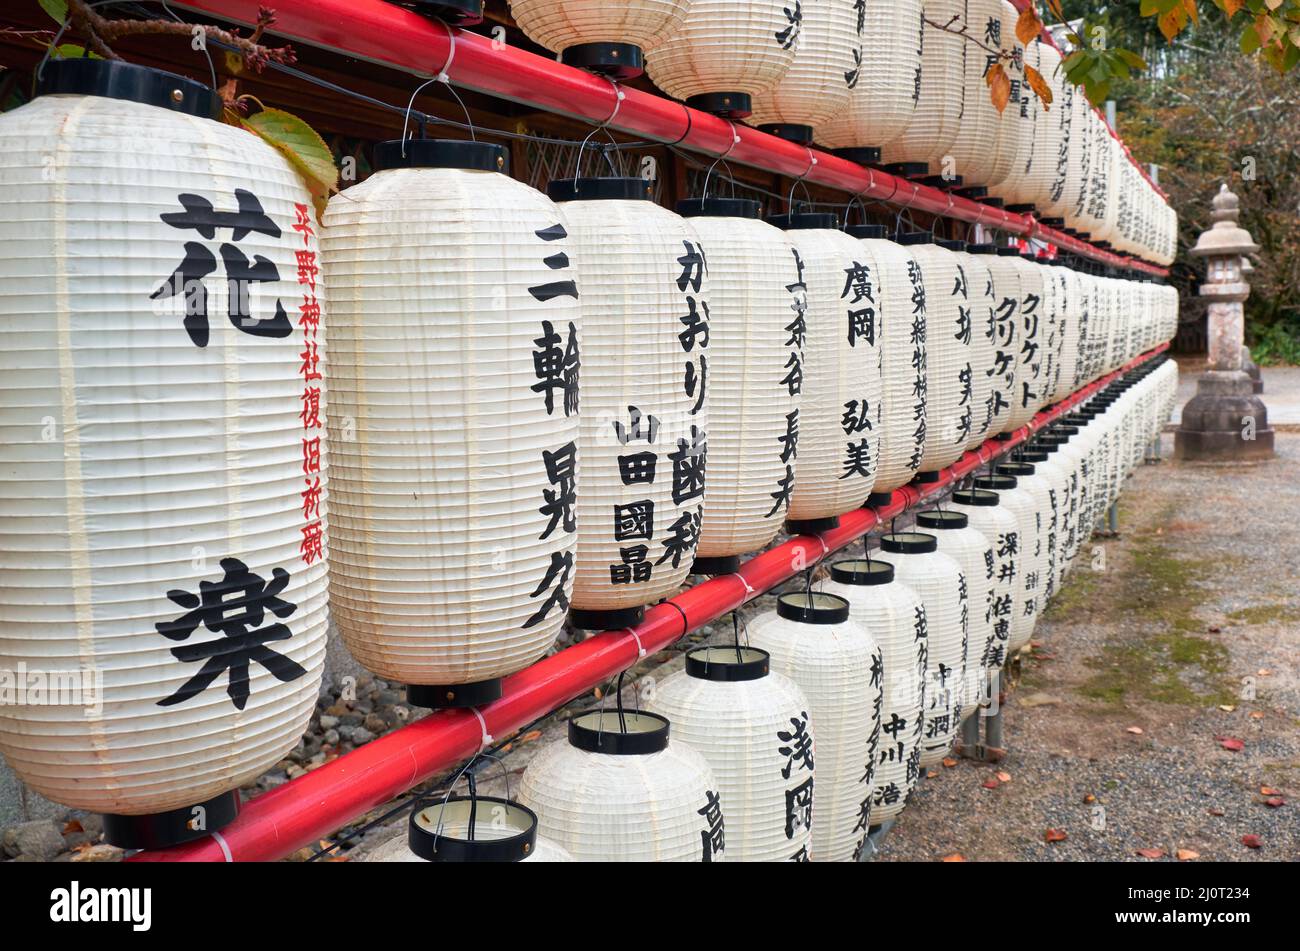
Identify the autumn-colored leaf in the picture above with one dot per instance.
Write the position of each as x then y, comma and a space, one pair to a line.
1265, 672
304, 149
1273, 802
1186, 855
1252, 841
1151, 853
1215, 811
949, 762
999, 84
1190, 7
991, 784
931, 773
1044, 92
71, 826
1172, 23
955, 857
1232, 7
1028, 26
1055, 835
1231, 743
1004, 777
1269, 791
1135, 730
530, 736
1089, 798
1257, 715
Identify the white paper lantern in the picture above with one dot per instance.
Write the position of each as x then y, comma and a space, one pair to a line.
1027, 395
1027, 558
161, 567
456, 354
974, 552
471, 829
607, 38
942, 587
754, 728
1016, 123
758, 302
1049, 334
823, 75
838, 666
949, 391
645, 412
934, 125
974, 151
726, 51
981, 301
1069, 108
999, 525
1045, 166
887, 86
1068, 303
840, 416
895, 617
1048, 477
617, 791
1006, 339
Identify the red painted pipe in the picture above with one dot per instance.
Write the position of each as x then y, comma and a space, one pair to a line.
384, 33
305, 810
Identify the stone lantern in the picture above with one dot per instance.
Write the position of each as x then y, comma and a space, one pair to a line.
1225, 421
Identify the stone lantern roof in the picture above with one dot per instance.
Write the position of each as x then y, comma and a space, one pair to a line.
1224, 238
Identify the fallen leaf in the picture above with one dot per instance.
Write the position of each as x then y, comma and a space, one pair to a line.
1090, 798
1269, 791
1135, 730
1039, 700
1231, 743
1151, 853
1257, 715
1227, 707
1004, 777
1252, 841
1274, 801
955, 857
72, 826
931, 773
1035, 643
1215, 630
1186, 855
530, 736
1265, 672
1214, 811
1055, 835
991, 784
949, 762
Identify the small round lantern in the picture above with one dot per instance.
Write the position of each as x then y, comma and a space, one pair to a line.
1000, 526
606, 38
838, 666
617, 791
754, 728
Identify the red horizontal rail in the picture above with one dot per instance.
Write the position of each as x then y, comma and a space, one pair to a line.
384, 33
306, 809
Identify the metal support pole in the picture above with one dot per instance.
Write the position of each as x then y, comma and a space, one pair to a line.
1112, 518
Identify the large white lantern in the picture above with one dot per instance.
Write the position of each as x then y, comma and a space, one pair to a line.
1016, 124
1046, 166
974, 151
902, 331
606, 38
838, 666
1026, 396
617, 791
162, 539
942, 587
1000, 527
1028, 557
456, 350
887, 84
974, 552
826, 68
1006, 336
895, 616
725, 52
1046, 483
982, 302
754, 728
758, 303
645, 372
935, 123
840, 417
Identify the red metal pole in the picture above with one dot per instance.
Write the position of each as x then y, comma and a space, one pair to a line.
313, 806
390, 35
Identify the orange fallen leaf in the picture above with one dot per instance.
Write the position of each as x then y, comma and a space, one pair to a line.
949, 762
1215, 811
1231, 743
991, 784
1151, 853
1251, 841
1186, 855
1035, 643
72, 826
1269, 791
1274, 801
1257, 715
1055, 835
955, 857
530, 736
1265, 672
1135, 730
1004, 777
1090, 798
1227, 707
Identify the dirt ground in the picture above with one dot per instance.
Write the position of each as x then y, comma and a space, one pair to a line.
1143, 672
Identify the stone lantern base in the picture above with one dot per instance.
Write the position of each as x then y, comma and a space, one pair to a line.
1213, 427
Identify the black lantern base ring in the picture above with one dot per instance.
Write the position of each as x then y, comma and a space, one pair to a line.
721, 565
611, 620
725, 105
162, 830
446, 696
457, 12
878, 500
908, 169
428, 838
811, 526
926, 478
790, 131
617, 61
862, 154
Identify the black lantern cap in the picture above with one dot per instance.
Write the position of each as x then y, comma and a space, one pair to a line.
458, 12
978, 498
598, 189
728, 664
1065, 429
805, 221
862, 571
790, 131
914, 237
161, 830
1014, 469
868, 232
1034, 455
1052, 441
428, 836
998, 483
987, 248
718, 208
617, 61
1009, 252
619, 732
727, 105
951, 245
116, 79
815, 608
440, 153
909, 543
942, 520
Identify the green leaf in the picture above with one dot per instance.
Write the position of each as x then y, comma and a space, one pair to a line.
300, 144
1249, 40
1133, 60
55, 8
72, 51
